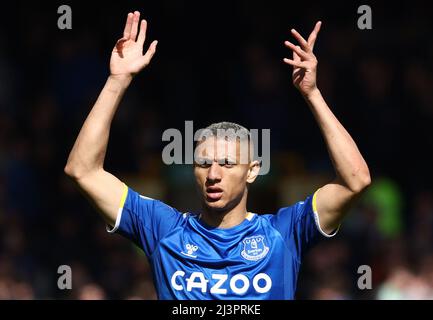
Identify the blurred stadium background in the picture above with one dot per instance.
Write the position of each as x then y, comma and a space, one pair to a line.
215, 61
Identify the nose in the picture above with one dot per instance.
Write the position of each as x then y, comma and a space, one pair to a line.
214, 172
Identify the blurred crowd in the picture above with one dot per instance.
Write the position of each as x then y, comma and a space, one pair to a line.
215, 64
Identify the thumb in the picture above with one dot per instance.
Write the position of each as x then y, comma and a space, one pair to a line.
150, 52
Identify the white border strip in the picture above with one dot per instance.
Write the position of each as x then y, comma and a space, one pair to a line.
116, 226
316, 218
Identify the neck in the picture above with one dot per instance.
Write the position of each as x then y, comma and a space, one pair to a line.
226, 218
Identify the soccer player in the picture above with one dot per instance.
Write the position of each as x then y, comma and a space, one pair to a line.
224, 251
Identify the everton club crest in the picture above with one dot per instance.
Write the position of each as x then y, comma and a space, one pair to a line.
254, 248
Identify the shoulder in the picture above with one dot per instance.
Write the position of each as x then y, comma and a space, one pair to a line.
143, 205
285, 217
285, 211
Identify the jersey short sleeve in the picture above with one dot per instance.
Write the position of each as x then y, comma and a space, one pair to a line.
144, 220
299, 225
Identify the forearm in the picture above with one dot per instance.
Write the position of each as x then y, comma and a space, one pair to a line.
350, 167
88, 152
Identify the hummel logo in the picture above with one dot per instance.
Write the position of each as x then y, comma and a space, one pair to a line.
190, 249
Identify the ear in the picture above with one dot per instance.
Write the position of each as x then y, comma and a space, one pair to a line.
253, 171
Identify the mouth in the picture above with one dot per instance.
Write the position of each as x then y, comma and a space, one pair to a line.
214, 193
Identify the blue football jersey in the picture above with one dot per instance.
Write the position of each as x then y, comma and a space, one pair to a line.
257, 259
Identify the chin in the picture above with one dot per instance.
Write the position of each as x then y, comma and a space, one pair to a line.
216, 205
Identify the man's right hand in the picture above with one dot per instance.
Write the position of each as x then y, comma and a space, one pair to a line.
86, 160
127, 58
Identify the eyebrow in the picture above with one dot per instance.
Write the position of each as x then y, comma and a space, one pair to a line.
209, 160
202, 160
226, 159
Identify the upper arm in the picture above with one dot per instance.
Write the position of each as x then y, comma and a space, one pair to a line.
332, 202
105, 192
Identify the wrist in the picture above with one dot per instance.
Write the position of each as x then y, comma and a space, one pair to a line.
312, 94
120, 79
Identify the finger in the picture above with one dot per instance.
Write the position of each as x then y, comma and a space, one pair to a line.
119, 47
301, 53
134, 28
128, 25
296, 57
120, 42
150, 52
301, 40
298, 64
304, 65
313, 36
142, 33
298, 73
297, 78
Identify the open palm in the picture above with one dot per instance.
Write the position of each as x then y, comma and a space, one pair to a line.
304, 61
127, 57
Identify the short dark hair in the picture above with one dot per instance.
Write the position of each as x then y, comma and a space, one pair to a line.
241, 131
228, 129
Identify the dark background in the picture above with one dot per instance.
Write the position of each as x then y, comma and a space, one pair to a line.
215, 61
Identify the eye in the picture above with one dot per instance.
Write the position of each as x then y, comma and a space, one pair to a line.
248, 241
229, 163
203, 163
259, 239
